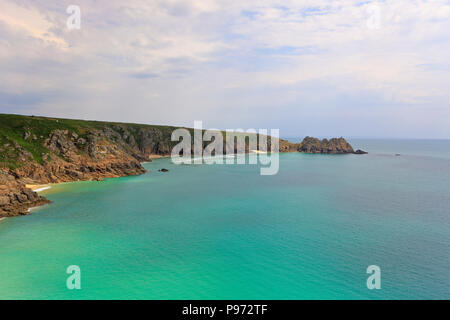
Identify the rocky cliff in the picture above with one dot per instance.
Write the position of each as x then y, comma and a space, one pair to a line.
15, 198
38, 150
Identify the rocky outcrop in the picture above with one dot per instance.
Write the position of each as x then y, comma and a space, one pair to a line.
332, 146
15, 198
286, 146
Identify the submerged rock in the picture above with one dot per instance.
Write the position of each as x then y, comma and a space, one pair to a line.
163, 170
359, 151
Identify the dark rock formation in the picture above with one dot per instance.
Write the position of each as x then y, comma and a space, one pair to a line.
163, 170
332, 146
359, 151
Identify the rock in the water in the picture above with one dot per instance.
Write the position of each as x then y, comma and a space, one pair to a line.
163, 170
359, 151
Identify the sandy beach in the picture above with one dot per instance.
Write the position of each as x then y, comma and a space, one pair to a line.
157, 156
38, 187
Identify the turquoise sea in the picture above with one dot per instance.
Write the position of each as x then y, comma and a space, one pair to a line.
226, 232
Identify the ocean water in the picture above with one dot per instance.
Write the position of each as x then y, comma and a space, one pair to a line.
226, 232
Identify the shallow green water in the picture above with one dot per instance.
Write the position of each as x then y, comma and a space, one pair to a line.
226, 232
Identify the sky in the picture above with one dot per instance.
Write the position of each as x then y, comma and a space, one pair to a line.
306, 67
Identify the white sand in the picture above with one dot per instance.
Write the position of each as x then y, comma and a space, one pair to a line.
38, 187
41, 189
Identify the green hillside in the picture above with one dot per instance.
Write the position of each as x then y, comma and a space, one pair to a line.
30, 133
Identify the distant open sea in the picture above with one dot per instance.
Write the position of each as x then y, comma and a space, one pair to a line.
226, 232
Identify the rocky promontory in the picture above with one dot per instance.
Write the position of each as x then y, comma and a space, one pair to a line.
324, 146
332, 146
39, 150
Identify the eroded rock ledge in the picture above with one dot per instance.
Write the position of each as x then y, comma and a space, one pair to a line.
15, 198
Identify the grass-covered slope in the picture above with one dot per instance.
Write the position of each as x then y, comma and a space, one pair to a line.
30, 134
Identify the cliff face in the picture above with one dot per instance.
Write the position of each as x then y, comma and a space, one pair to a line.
15, 199
69, 158
35, 150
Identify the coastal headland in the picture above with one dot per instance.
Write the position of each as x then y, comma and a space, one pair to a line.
36, 151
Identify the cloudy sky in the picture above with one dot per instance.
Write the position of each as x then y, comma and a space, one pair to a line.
307, 67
